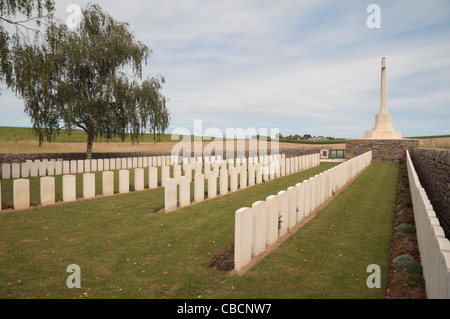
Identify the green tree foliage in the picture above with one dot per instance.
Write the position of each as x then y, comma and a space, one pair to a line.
89, 78
20, 22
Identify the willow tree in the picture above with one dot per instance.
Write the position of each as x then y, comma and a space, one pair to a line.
89, 78
20, 23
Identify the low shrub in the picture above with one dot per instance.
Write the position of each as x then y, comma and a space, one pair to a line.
224, 259
402, 261
414, 275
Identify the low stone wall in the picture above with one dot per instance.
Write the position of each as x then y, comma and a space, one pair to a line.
433, 168
383, 151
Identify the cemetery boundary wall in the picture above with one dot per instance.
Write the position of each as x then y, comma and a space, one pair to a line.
383, 151
434, 248
432, 165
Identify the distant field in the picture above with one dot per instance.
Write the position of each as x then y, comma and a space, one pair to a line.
23, 140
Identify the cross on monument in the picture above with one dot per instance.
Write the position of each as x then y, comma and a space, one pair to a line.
383, 128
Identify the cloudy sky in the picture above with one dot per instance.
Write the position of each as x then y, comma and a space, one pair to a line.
293, 66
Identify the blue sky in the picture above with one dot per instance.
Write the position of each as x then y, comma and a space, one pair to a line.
302, 67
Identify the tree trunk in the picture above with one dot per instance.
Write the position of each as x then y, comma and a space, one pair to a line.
90, 142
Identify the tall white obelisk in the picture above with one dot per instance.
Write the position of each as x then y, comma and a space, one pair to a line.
383, 128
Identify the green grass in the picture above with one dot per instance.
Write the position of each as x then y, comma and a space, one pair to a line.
28, 134
126, 250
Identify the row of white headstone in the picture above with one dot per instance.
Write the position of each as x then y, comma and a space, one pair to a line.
21, 186
261, 225
61, 167
231, 178
434, 247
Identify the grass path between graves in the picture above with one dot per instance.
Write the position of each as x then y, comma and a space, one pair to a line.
126, 250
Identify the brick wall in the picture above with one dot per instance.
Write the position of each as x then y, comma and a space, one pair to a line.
433, 169
383, 151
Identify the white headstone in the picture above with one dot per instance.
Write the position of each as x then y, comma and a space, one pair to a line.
199, 188
108, 183
152, 177
15, 170
223, 182
185, 191
259, 228
47, 190
21, 193
243, 237
88, 185
138, 179
6, 171
212, 185
272, 219
124, 181
69, 188
170, 195
283, 211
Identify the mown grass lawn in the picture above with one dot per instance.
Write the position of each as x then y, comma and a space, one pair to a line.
126, 250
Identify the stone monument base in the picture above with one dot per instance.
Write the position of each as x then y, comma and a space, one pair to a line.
383, 135
383, 150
